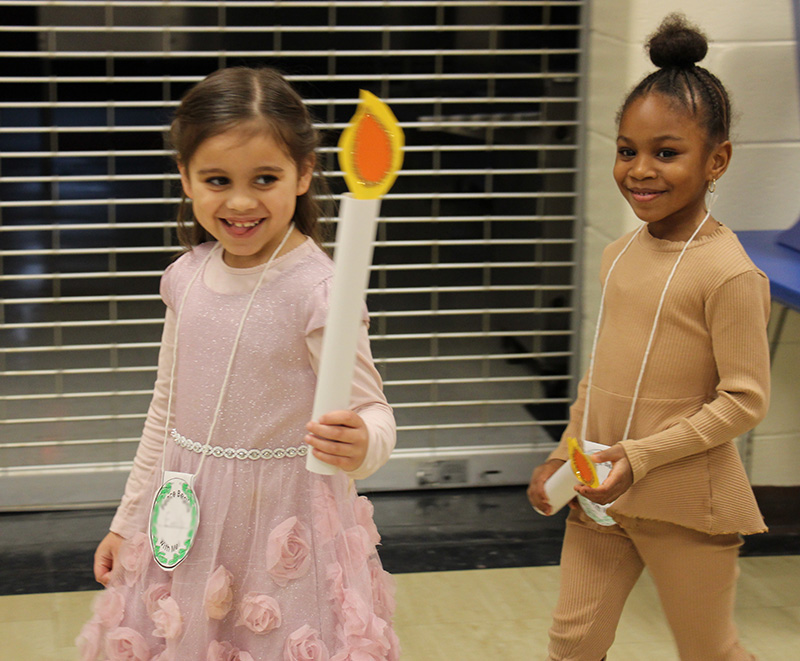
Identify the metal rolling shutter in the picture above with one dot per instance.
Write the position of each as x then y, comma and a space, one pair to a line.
473, 292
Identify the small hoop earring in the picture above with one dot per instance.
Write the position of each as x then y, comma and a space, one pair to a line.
712, 185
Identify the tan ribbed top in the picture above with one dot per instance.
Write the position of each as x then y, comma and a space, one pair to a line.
706, 380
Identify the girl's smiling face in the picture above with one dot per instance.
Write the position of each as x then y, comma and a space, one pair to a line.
244, 188
664, 164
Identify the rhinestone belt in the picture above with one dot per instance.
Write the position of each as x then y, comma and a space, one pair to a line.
239, 453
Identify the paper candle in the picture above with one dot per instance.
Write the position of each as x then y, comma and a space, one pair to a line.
370, 154
579, 469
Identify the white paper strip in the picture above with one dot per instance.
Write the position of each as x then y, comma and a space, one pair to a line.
355, 235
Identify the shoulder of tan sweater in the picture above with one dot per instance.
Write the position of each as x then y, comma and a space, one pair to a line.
616, 246
723, 254
719, 261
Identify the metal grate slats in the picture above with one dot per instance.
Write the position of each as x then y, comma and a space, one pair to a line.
473, 288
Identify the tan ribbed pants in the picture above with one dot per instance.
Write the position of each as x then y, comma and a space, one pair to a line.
695, 575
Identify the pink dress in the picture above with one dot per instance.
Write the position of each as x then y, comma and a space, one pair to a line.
284, 565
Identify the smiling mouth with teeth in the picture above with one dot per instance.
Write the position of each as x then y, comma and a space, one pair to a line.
246, 225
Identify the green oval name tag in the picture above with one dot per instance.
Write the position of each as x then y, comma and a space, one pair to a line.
174, 518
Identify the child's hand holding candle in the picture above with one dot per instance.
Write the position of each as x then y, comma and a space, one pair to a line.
370, 153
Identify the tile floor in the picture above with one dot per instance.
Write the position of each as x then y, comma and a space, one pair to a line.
476, 571
474, 615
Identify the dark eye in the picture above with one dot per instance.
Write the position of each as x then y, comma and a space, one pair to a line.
667, 153
217, 181
626, 152
266, 179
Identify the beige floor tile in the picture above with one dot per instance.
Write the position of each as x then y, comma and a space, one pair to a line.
19, 608
479, 615
769, 581
31, 639
442, 597
542, 579
66, 654
474, 641
644, 651
768, 630
71, 611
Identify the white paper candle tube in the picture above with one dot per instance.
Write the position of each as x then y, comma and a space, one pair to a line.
560, 485
355, 234
559, 488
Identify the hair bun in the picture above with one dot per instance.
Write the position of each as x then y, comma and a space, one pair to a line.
676, 44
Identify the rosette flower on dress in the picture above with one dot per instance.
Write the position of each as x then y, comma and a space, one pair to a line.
365, 511
259, 612
109, 608
224, 651
125, 644
354, 548
153, 595
383, 592
305, 645
164, 655
356, 614
218, 596
327, 522
88, 640
167, 619
134, 555
366, 636
335, 575
288, 551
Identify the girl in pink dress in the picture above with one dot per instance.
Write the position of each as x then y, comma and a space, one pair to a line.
283, 563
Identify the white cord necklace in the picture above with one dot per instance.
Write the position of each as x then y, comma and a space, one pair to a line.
175, 513
224, 387
585, 422
594, 510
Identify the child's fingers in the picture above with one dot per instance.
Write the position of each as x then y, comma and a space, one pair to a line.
600, 495
340, 418
340, 426
102, 572
345, 455
328, 446
339, 438
613, 454
105, 557
536, 492
619, 480
538, 498
336, 433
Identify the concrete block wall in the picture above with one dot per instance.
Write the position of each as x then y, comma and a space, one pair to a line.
753, 51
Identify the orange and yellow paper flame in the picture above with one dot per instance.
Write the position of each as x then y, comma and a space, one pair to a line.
371, 149
582, 465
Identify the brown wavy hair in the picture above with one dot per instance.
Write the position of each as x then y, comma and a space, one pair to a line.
229, 98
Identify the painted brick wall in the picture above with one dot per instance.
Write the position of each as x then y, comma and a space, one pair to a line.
753, 51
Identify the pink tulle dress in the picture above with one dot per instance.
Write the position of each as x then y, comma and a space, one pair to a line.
284, 564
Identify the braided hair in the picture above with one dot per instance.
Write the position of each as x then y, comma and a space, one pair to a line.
675, 48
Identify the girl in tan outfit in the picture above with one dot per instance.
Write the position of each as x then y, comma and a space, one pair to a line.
680, 368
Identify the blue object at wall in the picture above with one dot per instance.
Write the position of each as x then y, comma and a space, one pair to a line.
791, 237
